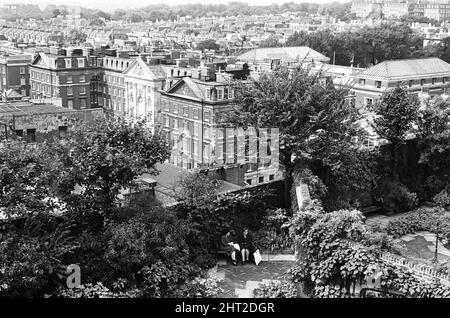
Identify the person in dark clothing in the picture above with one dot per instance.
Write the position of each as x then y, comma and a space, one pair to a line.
228, 246
246, 244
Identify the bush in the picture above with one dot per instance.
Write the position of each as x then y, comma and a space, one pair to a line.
201, 288
277, 289
442, 198
273, 235
395, 197
419, 220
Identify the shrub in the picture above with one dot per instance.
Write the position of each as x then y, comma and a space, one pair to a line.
201, 288
420, 220
395, 197
442, 198
277, 289
273, 235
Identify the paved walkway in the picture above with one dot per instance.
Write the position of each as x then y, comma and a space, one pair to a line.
240, 281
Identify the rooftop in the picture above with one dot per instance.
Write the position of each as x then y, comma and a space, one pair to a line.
294, 53
400, 69
27, 108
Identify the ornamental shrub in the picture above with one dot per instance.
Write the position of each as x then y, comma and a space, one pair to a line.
277, 289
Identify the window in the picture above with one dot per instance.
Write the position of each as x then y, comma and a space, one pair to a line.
378, 84
62, 132
206, 116
249, 181
422, 82
410, 83
271, 177
22, 81
82, 78
68, 63
261, 179
362, 81
443, 80
80, 62
22, 70
195, 113
82, 103
185, 111
433, 81
83, 90
166, 121
23, 92
69, 91
220, 94
208, 93
69, 79
19, 133
225, 93
230, 93
31, 135
369, 101
175, 109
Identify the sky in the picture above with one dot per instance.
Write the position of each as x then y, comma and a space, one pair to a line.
110, 5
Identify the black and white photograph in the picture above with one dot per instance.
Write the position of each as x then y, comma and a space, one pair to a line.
224, 156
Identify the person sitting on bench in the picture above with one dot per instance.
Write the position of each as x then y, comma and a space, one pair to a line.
227, 246
246, 244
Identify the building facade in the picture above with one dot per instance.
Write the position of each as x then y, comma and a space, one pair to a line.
427, 77
68, 74
189, 111
14, 74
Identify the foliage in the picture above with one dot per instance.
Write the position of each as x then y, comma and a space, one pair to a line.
29, 179
396, 112
433, 220
201, 288
273, 235
315, 121
277, 289
97, 290
364, 46
442, 198
76, 37
395, 197
107, 154
195, 188
434, 135
333, 262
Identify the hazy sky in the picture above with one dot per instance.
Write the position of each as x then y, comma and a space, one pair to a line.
109, 5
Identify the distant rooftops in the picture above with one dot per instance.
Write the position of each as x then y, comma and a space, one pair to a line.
407, 68
285, 54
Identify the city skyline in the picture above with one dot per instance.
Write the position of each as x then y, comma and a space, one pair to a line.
111, 5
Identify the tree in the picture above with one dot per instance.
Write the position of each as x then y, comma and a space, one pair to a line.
195, 188
107, 154
433, 135
76, 37
315, 120
56, 13
396, 112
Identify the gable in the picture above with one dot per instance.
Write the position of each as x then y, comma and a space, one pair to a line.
186, 87
140, 70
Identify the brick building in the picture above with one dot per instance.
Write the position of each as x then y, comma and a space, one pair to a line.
14, 74
189, 110
69, 74
425, 76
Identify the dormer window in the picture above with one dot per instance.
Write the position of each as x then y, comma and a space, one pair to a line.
219, 93
225, 93
362, 81
378, 84
68, 63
